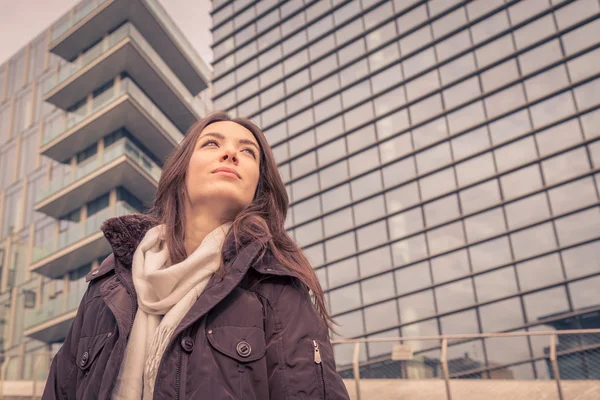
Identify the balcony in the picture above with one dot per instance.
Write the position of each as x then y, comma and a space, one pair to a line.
91, 19
121, 163
125, 50
123, 105
51, 321
81, 243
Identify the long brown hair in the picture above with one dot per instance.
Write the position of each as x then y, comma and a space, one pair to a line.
262, 220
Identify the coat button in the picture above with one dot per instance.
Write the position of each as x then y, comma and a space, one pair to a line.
187, 343
84, 359
243, 348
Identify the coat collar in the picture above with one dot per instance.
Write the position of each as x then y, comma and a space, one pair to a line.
124, 234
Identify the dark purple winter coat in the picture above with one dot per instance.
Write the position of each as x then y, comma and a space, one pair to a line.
252, 334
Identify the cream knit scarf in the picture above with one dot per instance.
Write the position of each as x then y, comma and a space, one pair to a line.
165, 294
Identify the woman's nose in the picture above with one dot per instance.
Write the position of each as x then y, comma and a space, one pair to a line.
229, 154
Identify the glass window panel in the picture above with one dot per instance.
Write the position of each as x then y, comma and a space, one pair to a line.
375, 261
581, 37
475, 169
369, 210
322, 67
522, 181
539, 272
563, 200
578, 227
331, 151
546, 303
534, 31
582, 260
433, 158
460, 323
430, 132
583, 66
354, 72
489, 27
470, 143
315, 255
387, 126
419, 62
398, 172
366, 185
378, 288
546, 82
490, 254
438, 183
329, 130
389, 101
328, 108
385, 78
412, 18
505, 100
485, 225
381, 316
404, 224
450, 266
584, 293
496, 284
494, 51
409, 250
509, 127
441, 210
455, 295
461, 93
297, 81
422, 85
342, 272
540, 56
501, 316
338, 222
352, 51
356, 94
377, 15
344, 299
466, 117
458, 68
305, 186
309, 233
372, 235
358, 116
558, 137
340, 246
416, 306
553, 109
477, 8
306, 210
590, 123
480, 196
426, 108
334, 174
413, 277
325, 87
415, 40
350, 325
380, 35
586, 95
445, 238
526, 9
401, 198
565, 166
516, 153
335, 198
453, 45
527, 211
532, 241
449, 22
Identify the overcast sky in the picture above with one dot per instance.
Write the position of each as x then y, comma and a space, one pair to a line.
23, 20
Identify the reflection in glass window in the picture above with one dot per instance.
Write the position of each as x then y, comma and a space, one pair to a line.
485, 225
479, 196
424, 328
340, 246
426, 108
437, 183
413, 277
533, 241
357, 94
335, 198
582, 260
441, 210
563, 200
565, 166
305, 186
445, 238
389, 125
453, 45
342, 272
381, 316
475, 169
419, 62
553, 109
527, 211
450, 266
496, 284
399, 172
578, 227
494, 51
509, 127
540, 56
466, 117
540, 272
416, 306
309, 233
540, 305
430, 132
334, 174
522, 181
405, 223
508, 350
558, 137
515, 154
378, 288
507, 99
586, 95
459, 323
461, 93
490, 26
366, 185
375, 261
433, 158
372, 235
331, 151
458, 68
546, 82
470, 143
381, 35
409, 250
584, 293
358, 116
534, 31
490, 254
581, 37
501, 316
352, 51
325, 87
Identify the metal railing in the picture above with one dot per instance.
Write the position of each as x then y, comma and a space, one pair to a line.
537, 364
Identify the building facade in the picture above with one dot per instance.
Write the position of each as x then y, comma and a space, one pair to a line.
441, 159
89, 110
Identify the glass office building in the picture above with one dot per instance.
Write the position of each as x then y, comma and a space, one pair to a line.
89, 111
441, 159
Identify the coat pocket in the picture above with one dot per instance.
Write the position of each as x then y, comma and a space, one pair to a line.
89, 348
318, 361
243, 344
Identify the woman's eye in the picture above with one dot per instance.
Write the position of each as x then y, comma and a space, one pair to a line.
251, 152
209, 142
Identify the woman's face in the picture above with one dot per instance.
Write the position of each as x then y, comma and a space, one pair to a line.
224, 167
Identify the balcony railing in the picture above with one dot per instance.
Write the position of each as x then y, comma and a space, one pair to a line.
55, 307
121, 147
80, 230
563, 364
81, 11
102, 47
87, 110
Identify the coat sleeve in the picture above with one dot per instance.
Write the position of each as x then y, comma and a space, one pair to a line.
63, 371
300, 361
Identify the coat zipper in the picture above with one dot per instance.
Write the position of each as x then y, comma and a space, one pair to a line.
178, 370
317, 354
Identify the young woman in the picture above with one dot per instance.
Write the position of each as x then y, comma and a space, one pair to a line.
206, 296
